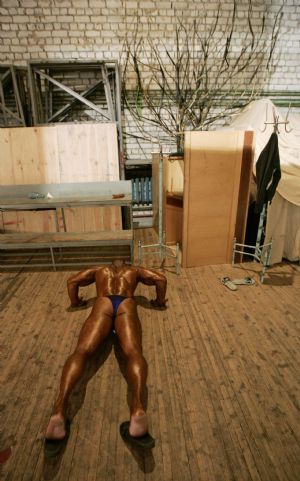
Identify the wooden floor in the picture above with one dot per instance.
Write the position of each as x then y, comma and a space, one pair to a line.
223, 385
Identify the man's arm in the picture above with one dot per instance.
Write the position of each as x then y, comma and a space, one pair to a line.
152, 278
83, 278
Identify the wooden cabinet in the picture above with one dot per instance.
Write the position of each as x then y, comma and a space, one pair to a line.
217, 170
204, 197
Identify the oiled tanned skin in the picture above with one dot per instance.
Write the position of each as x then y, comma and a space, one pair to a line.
115, 279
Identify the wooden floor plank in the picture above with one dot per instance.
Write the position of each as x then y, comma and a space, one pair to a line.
215, 415
191, 421
223, 382
236, 336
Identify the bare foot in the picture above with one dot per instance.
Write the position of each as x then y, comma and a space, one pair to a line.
138, 424
56, 427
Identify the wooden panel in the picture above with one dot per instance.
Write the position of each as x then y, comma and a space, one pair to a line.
6, 166
31, 158
174, 174
57, 154
174, 182
212, 173
92, 219
106, 146
24, 156
40, 221
48, 151
88, 153
244, 190
174, 217
62, 237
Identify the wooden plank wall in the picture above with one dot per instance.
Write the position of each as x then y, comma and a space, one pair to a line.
58, 154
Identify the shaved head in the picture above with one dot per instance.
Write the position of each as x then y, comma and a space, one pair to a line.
118, 262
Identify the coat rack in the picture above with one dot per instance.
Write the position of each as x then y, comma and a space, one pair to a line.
163, 250
276, 121
262, 252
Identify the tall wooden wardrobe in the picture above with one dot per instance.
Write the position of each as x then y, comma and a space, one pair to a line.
206, 194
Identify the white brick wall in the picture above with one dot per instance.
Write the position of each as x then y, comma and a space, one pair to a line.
95, 29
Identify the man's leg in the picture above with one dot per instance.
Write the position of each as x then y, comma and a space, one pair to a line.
95, 329
129, 332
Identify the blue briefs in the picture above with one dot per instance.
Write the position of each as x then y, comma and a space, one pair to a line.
116, 301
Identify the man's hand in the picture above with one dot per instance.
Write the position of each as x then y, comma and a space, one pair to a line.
81, 303
158, 305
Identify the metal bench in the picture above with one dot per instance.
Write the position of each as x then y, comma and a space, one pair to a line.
90, 194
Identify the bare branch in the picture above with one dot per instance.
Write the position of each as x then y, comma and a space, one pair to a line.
205, 78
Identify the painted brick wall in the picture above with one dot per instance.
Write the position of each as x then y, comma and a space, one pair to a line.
95, 29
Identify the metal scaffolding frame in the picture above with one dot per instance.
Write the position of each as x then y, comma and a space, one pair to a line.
12, 97
44, 79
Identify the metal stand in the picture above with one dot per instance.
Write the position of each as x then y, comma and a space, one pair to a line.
262, 253
164, 251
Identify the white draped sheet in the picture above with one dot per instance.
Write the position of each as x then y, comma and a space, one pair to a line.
283, 220
283, 225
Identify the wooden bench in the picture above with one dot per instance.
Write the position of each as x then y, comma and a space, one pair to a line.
52, 240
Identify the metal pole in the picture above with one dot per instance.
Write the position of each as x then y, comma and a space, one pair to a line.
52, 257
177, 258
139, 253
64, 219
119, 120
162, 247
233, 251
260, 229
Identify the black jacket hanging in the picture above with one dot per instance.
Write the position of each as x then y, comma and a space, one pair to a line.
268, 173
